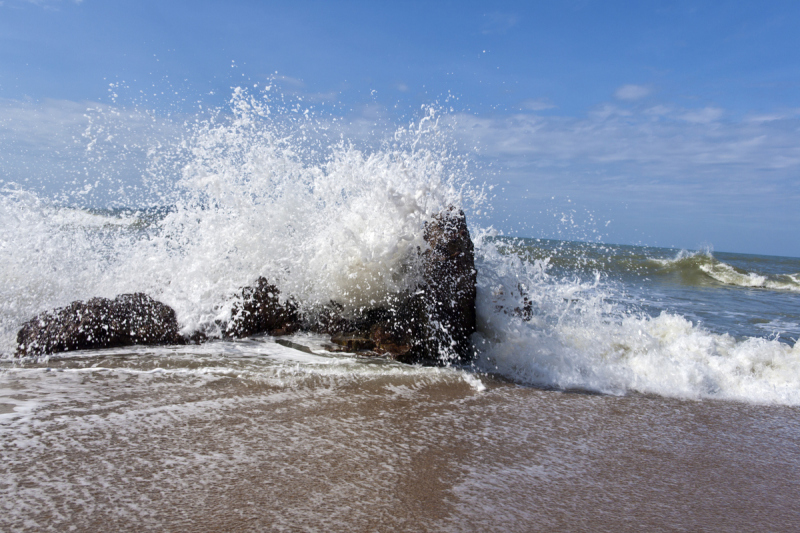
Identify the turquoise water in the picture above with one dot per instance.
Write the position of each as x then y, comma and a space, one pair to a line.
742, 295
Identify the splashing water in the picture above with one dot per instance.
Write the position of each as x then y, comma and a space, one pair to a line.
261, 191
579, 336
254, 197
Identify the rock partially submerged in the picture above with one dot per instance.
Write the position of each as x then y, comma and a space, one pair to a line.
258, 310
451, 281
126, 320
430, 323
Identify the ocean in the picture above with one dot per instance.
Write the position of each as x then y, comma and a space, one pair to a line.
614, 388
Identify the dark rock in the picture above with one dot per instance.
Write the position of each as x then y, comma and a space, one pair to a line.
450, 288
126, 320
258, 309
198, 337
353, 341
327, 320
294, 346
391, 341
431, 324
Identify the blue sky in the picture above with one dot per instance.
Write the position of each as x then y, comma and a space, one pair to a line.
661, 123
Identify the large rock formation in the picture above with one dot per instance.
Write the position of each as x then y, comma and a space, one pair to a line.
450, 286
100, 323
429, 324
432, 323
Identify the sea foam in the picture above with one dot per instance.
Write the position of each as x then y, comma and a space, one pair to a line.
260, 192
253, 196
579, 337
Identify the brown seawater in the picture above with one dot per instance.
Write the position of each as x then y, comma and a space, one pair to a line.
269, 438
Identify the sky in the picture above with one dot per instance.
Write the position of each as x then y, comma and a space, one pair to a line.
665, 123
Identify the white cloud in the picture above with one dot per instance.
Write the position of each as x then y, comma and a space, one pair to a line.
55, 144
658, 110
606, 111
68, 125
288, 80
296, 88
632, 92
768, 117
771, 117
703, 116
45, 4
651, 170
538, 104
633, 143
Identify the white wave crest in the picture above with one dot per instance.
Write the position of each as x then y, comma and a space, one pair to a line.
704, 262
256, 196
577, 339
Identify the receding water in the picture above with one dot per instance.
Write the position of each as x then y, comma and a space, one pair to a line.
270, 438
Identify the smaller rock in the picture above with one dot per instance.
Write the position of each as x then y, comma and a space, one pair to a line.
259, 310
126, 320
392, 339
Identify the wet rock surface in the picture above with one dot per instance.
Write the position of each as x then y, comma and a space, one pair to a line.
451, 281
430, 324
354, 342
259, 309
126, 320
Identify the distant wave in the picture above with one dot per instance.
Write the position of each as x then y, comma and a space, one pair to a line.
694, 268
702, 267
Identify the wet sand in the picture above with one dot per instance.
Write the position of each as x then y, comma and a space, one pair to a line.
107, 450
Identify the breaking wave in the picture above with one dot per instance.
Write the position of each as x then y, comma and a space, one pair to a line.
703, 268
288, 196
569, 333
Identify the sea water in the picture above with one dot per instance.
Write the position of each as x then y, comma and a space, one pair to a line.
613, 387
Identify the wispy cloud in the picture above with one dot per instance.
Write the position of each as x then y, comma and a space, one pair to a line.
646, 136
632, 92
296, 88
287, 81
497, 22
664, 174
55, 145
537, 104
703, 116
663, 143
44, 4
771, 117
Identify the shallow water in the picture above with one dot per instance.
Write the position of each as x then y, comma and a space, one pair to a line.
277, 439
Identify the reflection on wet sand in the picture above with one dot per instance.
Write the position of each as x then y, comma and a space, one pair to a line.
414, 450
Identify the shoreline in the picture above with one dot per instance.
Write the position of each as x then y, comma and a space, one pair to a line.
416, 449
